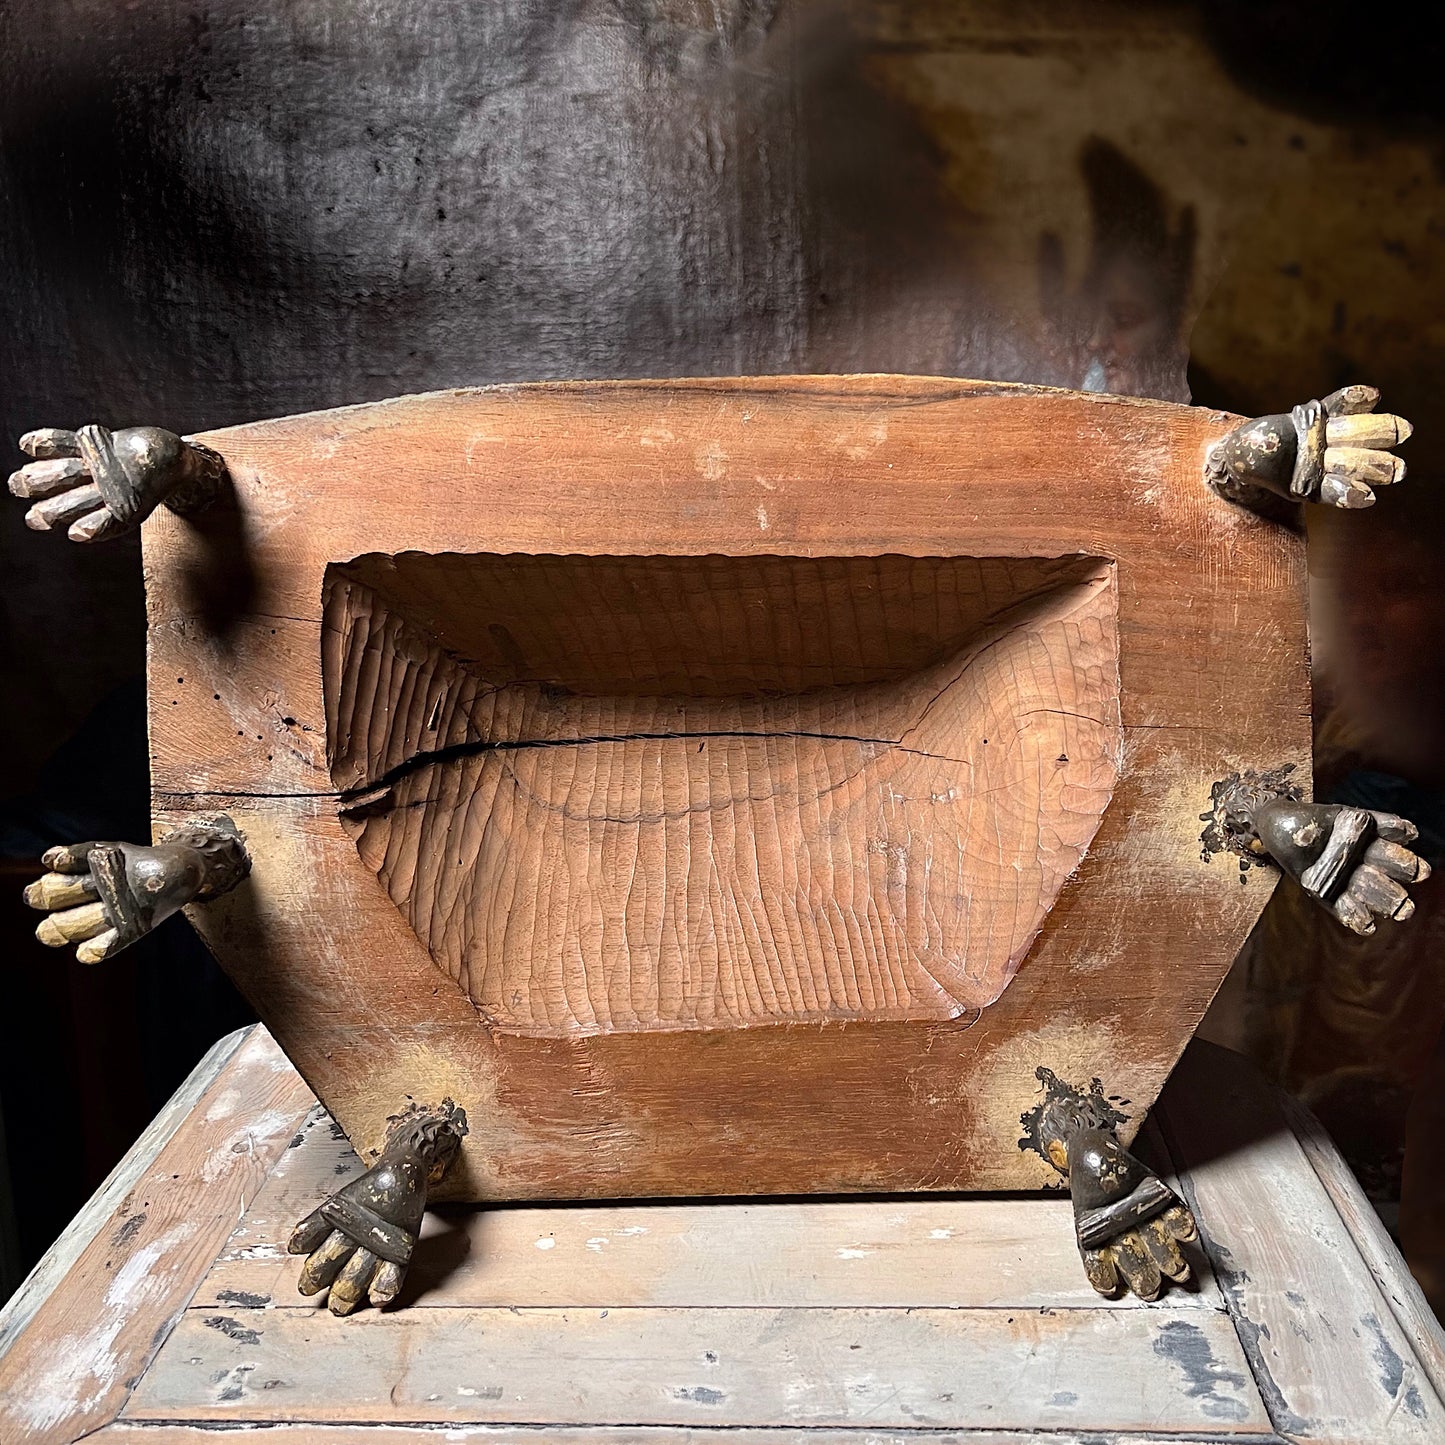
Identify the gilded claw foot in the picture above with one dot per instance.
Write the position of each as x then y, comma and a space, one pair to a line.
95, 483
1334, 451
1128, 1223
1352, 861
104, 896
360, 1240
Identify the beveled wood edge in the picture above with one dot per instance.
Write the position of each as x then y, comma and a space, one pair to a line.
160, 1432
1359, 1224
1405, 1298
1324, 1159
55, 1263
153, 1319
913, 387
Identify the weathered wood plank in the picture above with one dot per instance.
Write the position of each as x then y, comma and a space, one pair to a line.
905, 1252
92, 1338
40, 1283
1382, 1256
141, 1432
1039, 1369
1331, 1359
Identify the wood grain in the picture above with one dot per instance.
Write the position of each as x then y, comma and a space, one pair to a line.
56, 1263
1212, 676
1405, 1298
709, 793
155, 1433
879, 1368
85, 1346
904, 1253
678, 1323
1335, 1358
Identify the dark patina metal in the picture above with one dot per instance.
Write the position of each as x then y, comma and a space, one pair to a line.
361, 1239
1321, 451
1353, 861
138, 886
97, 483
1127, 1221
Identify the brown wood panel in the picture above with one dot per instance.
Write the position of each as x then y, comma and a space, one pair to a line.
1210, 609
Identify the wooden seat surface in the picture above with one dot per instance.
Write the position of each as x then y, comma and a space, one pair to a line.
169, 1310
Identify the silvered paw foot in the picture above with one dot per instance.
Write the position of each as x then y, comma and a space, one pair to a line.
1128, 1223
95, 483
1353, 861
104, 896
360, 1241
1334, 451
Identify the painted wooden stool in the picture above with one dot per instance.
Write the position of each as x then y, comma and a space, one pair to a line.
169, 1310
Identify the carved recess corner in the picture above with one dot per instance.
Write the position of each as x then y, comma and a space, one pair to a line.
1335, 451
95, 483
1129, 1224
1352, 861
360, 1241
104, 896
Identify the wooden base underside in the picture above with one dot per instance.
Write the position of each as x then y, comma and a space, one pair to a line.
612, 759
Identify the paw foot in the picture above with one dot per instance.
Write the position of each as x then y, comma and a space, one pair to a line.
360, 1241
1334, 451
104, 896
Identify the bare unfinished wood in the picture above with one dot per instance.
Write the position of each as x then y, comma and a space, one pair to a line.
1379, 1252
152, 1433
743, 998
667, 793
55, 1264
1336, 1358
1111, 1370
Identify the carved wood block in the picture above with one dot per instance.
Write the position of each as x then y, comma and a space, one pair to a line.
613, 794
725, 786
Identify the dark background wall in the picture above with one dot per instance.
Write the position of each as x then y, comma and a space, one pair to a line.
218, 211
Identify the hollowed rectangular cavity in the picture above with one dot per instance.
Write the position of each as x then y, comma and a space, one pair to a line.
658, 792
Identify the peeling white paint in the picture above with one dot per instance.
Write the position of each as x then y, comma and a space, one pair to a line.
223, 1106
81, 1369
260, 1251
